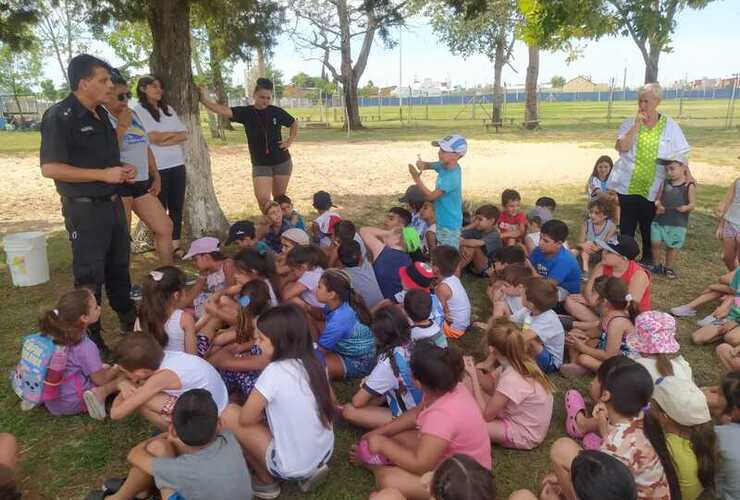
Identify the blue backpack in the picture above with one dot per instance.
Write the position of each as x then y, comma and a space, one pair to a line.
30, 373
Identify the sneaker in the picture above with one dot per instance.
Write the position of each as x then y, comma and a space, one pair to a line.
266, 491
136, 293
683, 312
711, 319
95, 407
655, 269
670, 273
317, 477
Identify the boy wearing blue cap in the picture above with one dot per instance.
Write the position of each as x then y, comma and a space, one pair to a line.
447, 194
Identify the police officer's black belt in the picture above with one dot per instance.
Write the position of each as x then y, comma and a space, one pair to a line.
90, 199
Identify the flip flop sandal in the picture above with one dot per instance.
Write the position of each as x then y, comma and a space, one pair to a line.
592, 441
574, 404
95, 407
364, 455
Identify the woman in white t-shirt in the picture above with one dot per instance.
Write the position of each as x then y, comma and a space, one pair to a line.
166, 134
293, 391
141, 195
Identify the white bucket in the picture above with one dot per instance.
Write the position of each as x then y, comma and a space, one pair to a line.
26, 258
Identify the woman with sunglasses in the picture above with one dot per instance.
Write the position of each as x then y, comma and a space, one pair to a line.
140, 196
166, 135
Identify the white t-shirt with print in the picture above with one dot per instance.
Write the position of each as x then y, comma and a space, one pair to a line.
383, 382
310, 280
300, 439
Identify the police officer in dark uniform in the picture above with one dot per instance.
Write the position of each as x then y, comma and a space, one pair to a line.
79, 150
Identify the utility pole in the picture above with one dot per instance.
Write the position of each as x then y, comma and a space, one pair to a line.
400, 74
624, 83
731, 105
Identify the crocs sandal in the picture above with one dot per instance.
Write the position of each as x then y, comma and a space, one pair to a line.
365, 456
574, 404
592, 441
95, 407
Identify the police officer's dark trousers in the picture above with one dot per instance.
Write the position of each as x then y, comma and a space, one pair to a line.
100, 253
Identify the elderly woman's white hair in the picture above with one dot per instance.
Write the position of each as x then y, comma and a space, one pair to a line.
652, 88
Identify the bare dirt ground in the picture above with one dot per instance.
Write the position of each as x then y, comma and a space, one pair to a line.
356, 174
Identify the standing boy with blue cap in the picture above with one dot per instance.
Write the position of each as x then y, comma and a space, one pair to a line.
447, 194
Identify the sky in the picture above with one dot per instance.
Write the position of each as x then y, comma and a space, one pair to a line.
706, 43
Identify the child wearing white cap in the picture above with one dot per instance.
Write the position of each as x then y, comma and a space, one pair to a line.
447, 193
682, 410
215, 273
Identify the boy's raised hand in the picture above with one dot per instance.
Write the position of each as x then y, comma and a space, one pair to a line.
414, 172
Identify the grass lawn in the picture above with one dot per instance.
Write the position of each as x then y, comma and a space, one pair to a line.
65, 457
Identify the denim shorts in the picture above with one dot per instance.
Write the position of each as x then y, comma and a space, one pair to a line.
546, 361
357, 366
448, 236
730, 231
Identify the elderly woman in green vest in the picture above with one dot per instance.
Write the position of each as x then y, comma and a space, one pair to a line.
637, 176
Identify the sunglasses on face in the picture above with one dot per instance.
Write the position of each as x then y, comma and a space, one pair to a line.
124, 97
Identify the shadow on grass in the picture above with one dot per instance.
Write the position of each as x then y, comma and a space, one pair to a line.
65, 457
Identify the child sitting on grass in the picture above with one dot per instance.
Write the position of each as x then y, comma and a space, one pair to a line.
289, 239
243, 234
676, 200
306, 263
720, 290
419, 306
290, 214
428, 239
541, 327
86, 383
193, 459
390, 378
159, 314
447, 194
156, 378
240, 361
323, 226
597, 227
479, 241
588, 349
448, 422
729, 329
346, 341
654, 345
511, 222
388, 250
215, 273
553, 261
414, 199
681, 408
517, 401
273, 226
296, 440
630, 435
597, 182
344, 231
450, 291
360, 271
506, 294
534, 228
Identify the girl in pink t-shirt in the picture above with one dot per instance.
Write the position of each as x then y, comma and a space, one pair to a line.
446, 423
516, 399
86, 383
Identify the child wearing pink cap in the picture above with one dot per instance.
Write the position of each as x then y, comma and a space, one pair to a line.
215, 273
654, 342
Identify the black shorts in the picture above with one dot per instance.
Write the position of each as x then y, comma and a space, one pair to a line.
135, 190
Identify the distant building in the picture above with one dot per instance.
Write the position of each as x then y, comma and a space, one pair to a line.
425, 87
584, 84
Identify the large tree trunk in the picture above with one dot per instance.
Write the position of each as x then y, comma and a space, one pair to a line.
531, 117
349, 81
169, 21
498, 66
651, 63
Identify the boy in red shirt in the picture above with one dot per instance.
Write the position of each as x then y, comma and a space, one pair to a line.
511, 223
